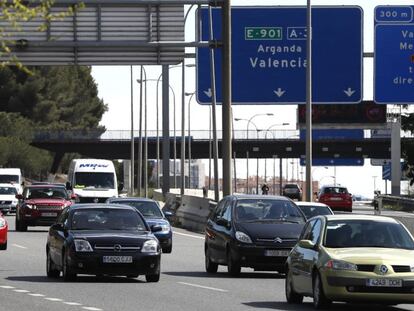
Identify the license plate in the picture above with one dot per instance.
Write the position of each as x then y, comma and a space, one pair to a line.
117, 259
336, 199
49, 214
276, 253
384, 283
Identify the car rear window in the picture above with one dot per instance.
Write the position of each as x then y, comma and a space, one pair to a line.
147, 209
335, 190
292, 186
311, 210
8, 190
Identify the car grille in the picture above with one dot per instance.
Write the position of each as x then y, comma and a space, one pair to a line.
40, 207
400, 269
366, 268
272, 242
115, 247
5, 202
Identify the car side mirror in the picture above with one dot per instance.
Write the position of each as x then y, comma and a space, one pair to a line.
156, 228
222, 222
308, 244
19, 196
169, 215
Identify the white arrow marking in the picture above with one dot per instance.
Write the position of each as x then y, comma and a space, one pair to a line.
208, 93
279, 92
349, 92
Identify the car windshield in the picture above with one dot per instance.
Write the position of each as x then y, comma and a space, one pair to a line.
335, 190
107, 219
367, 233
46, 193
292, 186
315, 210
8, 190
258, 210
9, 179
94, 180
146, 208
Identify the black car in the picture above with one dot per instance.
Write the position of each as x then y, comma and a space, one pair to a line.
252, 231
153, 216
292, 191
102, 239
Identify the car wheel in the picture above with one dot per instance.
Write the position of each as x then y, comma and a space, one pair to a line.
319, 299
51, 270
233, 267
291, 295
3, 246
167, 250
67, 273
151, 278
21, 226
211, 267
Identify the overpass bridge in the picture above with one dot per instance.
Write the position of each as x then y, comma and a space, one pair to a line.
259, 144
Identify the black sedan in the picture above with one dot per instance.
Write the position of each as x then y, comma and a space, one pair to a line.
102, 239
153, 216
252, 231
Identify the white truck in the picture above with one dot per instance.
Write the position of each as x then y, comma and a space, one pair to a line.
92, 180
12, 176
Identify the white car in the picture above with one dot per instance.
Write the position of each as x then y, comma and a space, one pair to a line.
311, 209
8, 200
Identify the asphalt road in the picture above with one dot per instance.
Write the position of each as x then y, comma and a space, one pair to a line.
184, 286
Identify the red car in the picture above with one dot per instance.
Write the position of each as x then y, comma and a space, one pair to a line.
336, 197
41, 205
3, 232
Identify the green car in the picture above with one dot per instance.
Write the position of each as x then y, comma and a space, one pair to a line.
351, 258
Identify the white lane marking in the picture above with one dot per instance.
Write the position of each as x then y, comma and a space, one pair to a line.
53, 299
6, 287
72, 303
204, 287
21, 291
91, 308
189, 235
37, 295
19, 246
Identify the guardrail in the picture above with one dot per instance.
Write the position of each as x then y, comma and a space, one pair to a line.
396, 203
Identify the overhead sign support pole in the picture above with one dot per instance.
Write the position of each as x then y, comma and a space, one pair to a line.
309, 191
226, 116
396, 155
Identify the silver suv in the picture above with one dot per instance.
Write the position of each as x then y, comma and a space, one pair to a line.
292, 191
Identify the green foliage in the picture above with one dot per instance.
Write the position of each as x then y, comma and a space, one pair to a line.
407, 124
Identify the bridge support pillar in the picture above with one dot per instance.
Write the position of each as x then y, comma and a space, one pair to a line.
56, 161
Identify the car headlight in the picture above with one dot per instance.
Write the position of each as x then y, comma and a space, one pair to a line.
243, 237
30, 206
15, 202
165, 228
150, 246
340, 265
2, 223
83, 246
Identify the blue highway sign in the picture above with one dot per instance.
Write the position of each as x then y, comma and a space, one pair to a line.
335, 134
269, 55
394, 55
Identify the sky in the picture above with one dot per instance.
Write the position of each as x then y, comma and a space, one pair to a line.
114, 87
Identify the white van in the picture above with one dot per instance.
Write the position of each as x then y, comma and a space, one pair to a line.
92, 180
12, 176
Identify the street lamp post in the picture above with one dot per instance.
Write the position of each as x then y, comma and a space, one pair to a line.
247, 152
131, 192
267, 131
189, 136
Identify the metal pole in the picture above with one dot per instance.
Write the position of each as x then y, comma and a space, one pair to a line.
213, 99
280, 176
257, 175
210, 147
274, 176
165, 131
247, 169
189, 141
140, 137
395, 157
158, 137
175, 147
265, 175
234, 154
226, 87
131, 178
146, 140
182, 128
309, 194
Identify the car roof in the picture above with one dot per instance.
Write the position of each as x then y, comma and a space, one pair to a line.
101, 206
51, 185
360, 217
332, 186
8, 185
130, 199
303, 203
257, 196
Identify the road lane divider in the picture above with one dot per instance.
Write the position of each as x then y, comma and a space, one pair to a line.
189, 235
204, 287
19, 246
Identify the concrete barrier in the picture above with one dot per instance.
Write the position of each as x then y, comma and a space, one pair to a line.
193, 212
